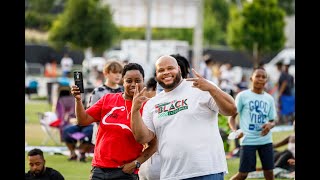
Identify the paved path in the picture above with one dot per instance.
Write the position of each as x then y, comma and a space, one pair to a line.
279, 128
59, 150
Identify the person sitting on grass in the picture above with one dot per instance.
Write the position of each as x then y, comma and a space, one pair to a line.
38, 170
281, 159
74, 133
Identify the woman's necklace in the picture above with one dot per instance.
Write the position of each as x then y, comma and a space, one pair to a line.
128, 113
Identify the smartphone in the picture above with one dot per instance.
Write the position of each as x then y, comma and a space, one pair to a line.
78, 80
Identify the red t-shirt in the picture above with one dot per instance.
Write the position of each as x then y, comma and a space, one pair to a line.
115, 142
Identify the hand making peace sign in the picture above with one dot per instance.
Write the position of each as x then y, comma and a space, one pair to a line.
200, 82
138, 98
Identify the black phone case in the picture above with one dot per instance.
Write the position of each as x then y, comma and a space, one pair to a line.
78, 80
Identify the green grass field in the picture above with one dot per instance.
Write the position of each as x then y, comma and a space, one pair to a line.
78, 170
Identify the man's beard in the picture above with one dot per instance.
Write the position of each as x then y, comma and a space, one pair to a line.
176, 81
38, 173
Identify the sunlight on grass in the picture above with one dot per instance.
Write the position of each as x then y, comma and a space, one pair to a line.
34, 135
32, 109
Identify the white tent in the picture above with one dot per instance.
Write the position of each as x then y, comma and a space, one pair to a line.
98, 62
285, 56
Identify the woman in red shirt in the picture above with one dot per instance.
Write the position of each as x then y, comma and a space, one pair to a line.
117, 155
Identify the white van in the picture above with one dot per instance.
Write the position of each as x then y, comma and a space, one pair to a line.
285, 56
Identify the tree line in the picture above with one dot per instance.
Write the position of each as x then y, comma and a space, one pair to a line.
255, 26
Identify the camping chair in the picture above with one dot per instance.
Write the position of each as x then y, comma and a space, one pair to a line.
48, 123
65, 109
52, 123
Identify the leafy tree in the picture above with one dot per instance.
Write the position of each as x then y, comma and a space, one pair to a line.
38, 14
84, 24
212, 29
258, 28
288, 6
183, 34
38, 21
40, 6
234, 29
220, 9
216, 15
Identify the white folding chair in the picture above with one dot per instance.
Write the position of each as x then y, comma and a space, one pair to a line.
51, 132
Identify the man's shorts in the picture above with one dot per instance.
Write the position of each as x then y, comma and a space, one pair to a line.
248, 158
85, 130
287, 104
